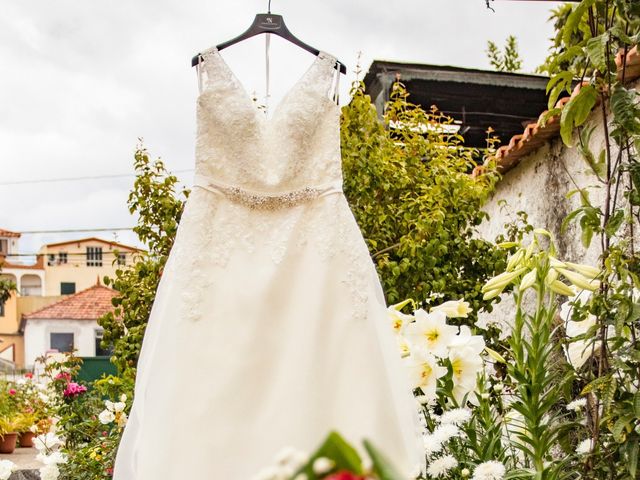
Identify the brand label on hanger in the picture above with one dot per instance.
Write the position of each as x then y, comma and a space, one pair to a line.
270, 22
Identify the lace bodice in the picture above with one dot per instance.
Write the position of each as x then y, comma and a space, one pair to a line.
239, 146
276, 183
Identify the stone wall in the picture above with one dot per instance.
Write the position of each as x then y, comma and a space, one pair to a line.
539, 185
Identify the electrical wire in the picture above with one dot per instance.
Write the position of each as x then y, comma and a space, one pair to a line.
76, 179
76, 230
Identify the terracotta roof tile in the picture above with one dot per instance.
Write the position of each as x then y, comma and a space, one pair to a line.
93, 239
7, 233
88, 304
535, 134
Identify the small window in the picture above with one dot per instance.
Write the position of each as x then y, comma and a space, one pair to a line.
51, 259
4, 246
67, 288
62, 342
100, 352
94, 256
62, 257
122, 259
1, 309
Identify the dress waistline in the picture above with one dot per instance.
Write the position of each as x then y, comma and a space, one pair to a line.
265, 201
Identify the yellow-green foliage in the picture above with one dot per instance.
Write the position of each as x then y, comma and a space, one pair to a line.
408, 182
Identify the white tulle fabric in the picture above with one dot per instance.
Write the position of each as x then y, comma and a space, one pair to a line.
269, 326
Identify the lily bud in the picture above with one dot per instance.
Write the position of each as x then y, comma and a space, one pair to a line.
586, 270
579, 280
502, 280
555, 263
514, 260
528, 280
492, 294
562, 288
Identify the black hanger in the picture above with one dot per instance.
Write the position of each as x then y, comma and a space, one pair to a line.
267, 23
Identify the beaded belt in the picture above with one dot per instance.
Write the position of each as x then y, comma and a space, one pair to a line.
263, 201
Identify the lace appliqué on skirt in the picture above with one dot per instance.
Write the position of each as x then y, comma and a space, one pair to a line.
324, 224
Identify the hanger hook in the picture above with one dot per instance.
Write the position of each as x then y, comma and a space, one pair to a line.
269, 7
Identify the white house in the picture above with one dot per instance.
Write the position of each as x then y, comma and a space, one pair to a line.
68, 324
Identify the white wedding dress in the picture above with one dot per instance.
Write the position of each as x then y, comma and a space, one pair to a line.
269, 326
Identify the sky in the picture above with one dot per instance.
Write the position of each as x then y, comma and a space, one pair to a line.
82, 81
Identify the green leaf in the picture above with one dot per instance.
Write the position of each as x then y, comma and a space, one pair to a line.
620, 427
625, 109
548, 114
632, 452
573, 20
614, 222
381, 465
597, 166
336, 448
576, 111
596, 51
557, 84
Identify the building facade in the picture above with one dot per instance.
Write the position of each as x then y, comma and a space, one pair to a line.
60, 270
73, 266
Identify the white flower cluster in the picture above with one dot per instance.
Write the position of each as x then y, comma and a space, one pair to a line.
577, 405
287, 462
427, 342
491, 470
434, 443
114, 412
48, 453
7, 467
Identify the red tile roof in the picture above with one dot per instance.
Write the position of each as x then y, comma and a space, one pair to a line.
88, 304
93, 239
39, 265
7, 233
535, 135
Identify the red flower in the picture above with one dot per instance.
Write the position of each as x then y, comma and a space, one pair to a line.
344, 475
12, 391
28, 375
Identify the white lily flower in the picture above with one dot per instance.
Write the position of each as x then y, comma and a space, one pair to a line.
405, 349
453, 308
466, 340
424, 372
398, 319
579, 351
466, 364
431, 332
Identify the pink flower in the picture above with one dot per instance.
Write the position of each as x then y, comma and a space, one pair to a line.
12, 391
74, 389
63, 376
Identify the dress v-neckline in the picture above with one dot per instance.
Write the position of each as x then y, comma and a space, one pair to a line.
243, 91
